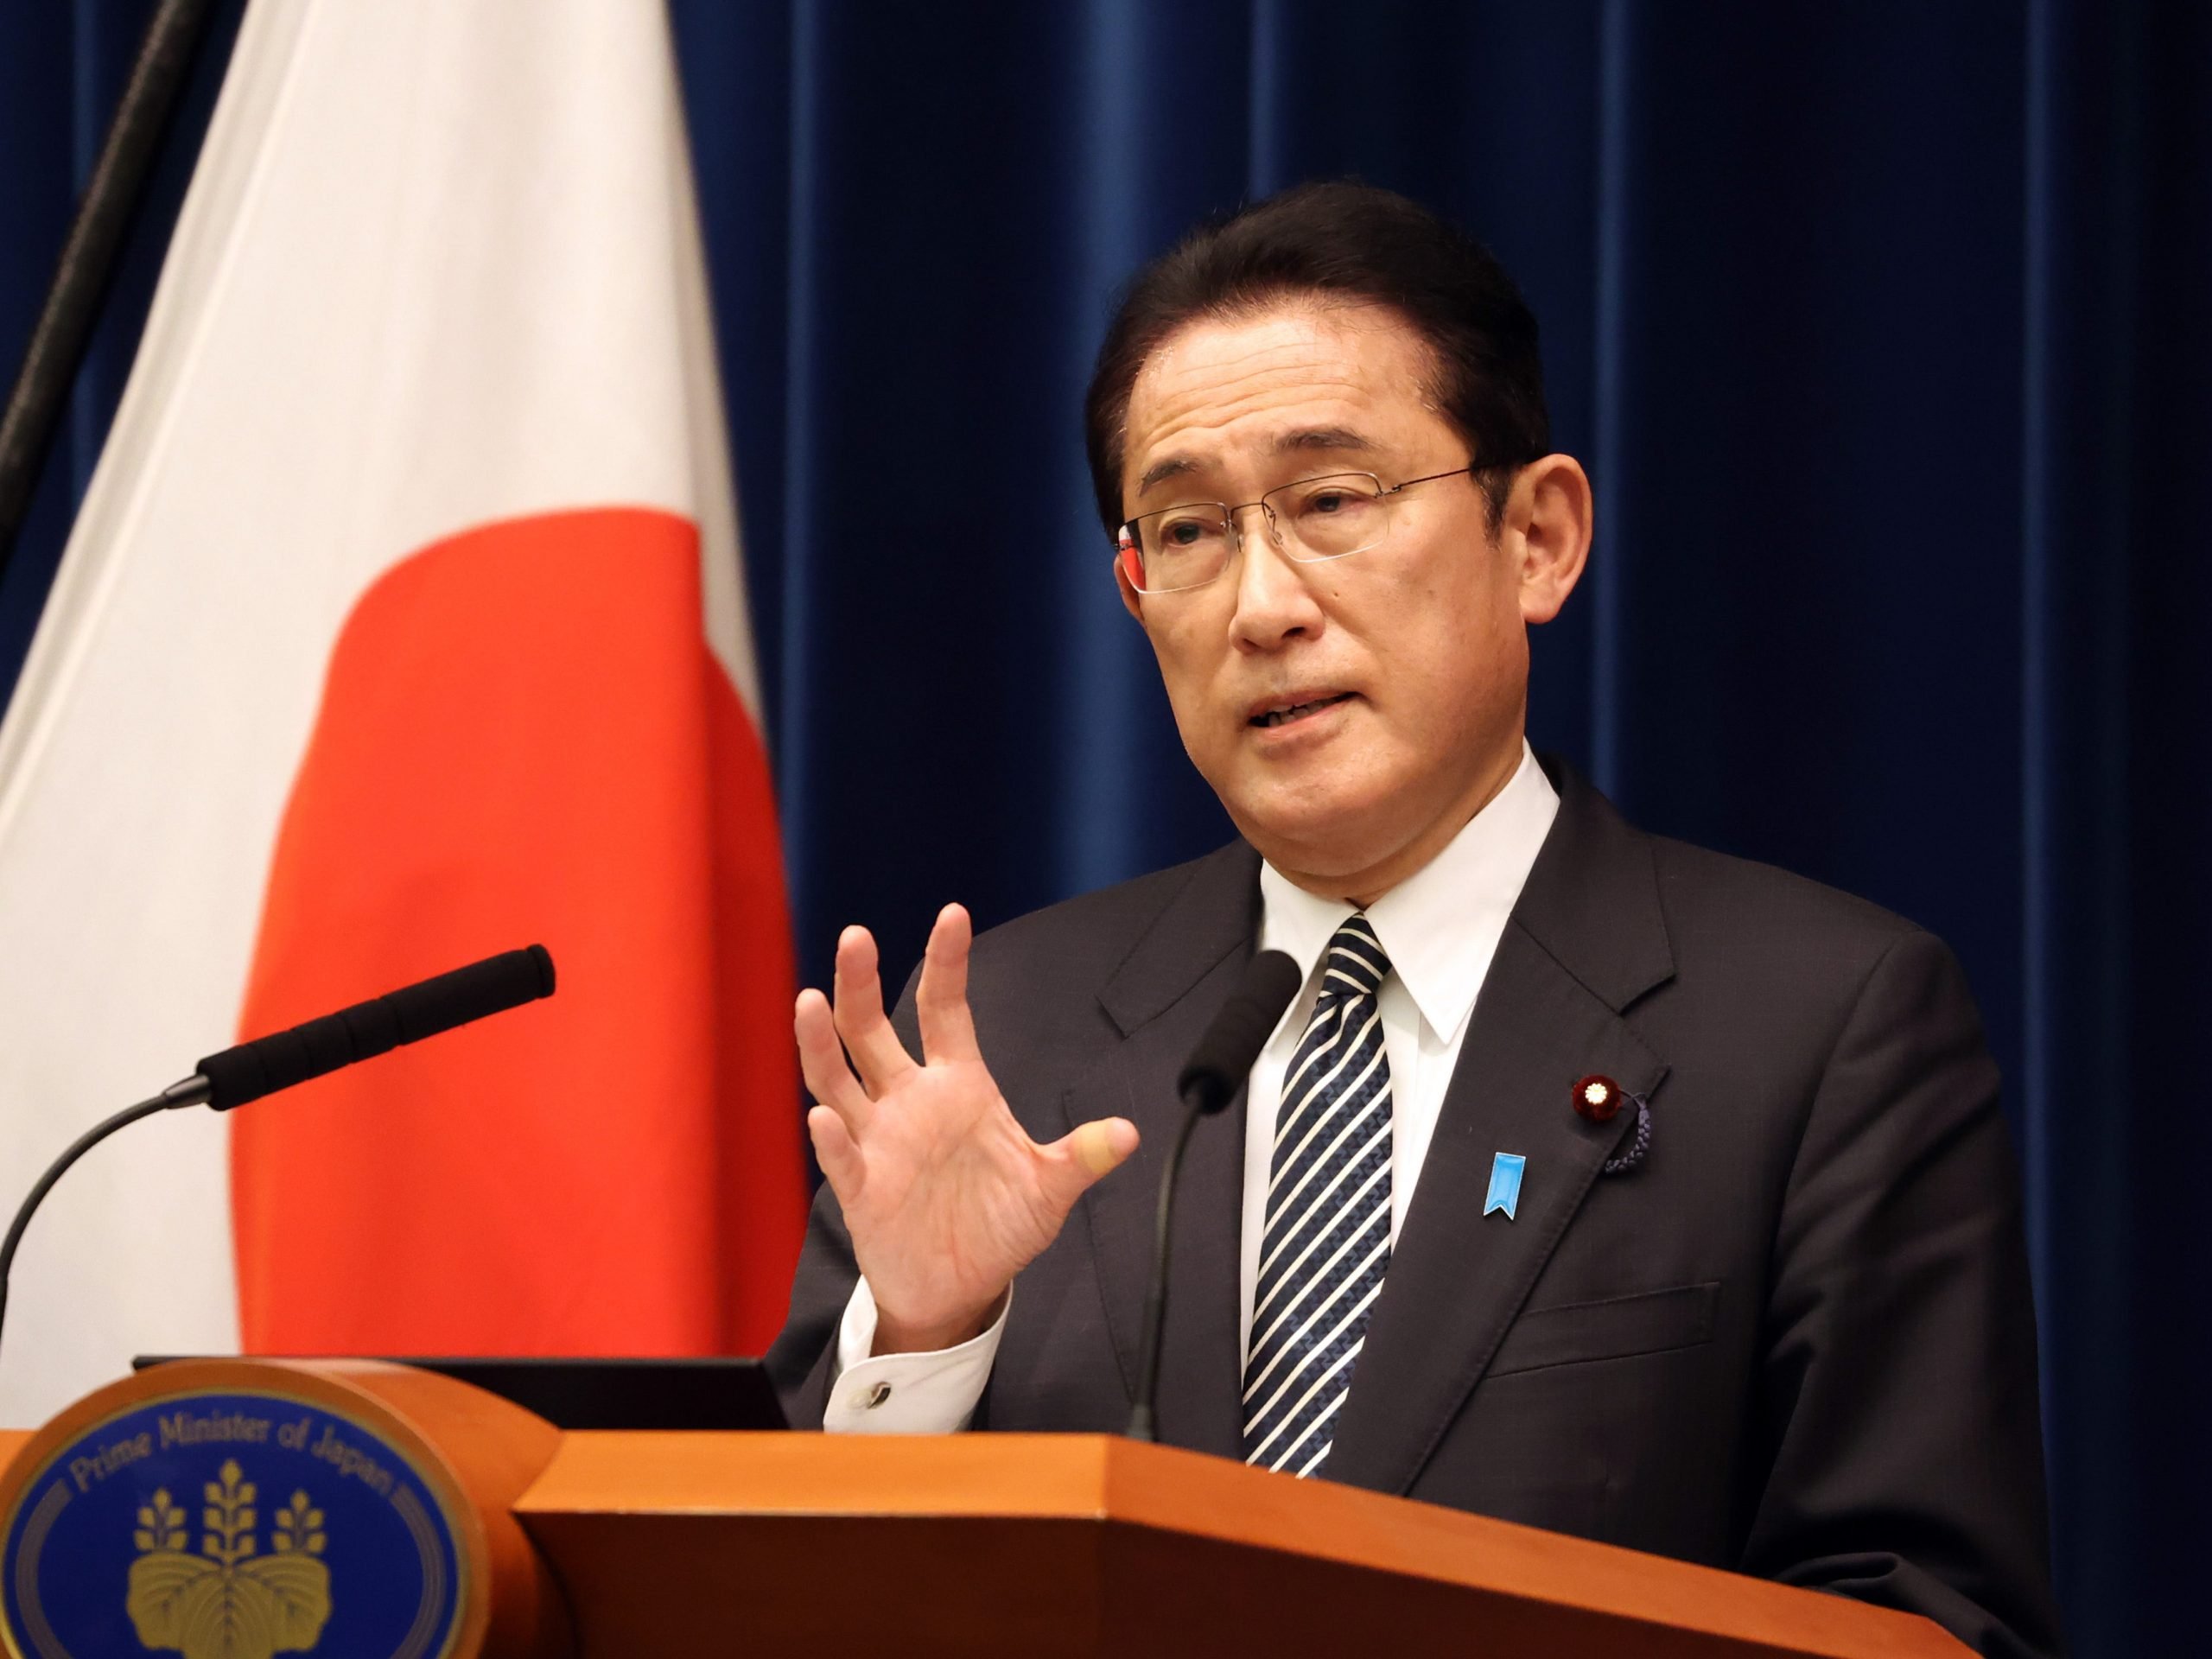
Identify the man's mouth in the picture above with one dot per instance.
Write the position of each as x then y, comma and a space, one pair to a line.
1282, 714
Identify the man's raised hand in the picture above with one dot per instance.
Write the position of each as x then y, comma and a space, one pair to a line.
946, 1195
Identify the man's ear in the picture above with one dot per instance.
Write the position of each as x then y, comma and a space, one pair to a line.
1131, 601
1549, 517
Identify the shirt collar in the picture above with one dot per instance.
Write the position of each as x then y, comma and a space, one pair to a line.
1441, 925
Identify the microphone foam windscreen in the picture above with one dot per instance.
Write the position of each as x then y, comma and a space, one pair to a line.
492, 986
286, 1058
1218, 1066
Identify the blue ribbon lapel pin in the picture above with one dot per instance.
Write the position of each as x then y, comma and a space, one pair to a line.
1505, 1170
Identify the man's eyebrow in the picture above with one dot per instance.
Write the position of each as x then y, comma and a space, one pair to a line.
1160, 471
1323, 437
1341, 439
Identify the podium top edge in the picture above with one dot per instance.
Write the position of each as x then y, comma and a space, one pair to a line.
1107, 1481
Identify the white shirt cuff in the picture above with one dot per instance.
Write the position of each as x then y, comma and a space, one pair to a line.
905, 1394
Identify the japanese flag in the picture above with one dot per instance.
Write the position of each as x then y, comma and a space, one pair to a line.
403, 624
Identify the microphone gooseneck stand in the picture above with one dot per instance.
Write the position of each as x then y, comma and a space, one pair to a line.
192, 1092
1216, 1071
266, 1064
1141, 1427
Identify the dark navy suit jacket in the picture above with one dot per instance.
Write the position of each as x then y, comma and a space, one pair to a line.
1797, 1341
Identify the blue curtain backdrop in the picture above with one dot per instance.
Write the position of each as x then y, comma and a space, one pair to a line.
1881, 329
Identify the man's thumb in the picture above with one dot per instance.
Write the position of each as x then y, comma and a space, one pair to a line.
1094, 1149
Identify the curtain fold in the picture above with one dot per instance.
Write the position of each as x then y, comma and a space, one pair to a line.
2116, 725
1880, 329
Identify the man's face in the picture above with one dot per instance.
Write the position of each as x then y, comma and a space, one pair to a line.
1405, 666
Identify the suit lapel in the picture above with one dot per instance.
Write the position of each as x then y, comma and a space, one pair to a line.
1586, 938
1161, 999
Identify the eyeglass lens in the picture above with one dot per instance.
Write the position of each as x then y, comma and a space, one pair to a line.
1313, 519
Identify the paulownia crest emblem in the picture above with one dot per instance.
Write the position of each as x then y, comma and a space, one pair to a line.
229, 1601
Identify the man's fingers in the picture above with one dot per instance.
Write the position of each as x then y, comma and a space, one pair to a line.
1076, 1161
876, 1049
842, 1167
941, 999
822, 1062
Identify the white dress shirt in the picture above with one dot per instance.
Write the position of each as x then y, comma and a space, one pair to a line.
1440, 927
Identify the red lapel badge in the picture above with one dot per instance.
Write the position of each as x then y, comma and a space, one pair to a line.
1597, 1098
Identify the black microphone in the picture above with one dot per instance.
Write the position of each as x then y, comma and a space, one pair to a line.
368, 1029
284, 1057
1209, 1081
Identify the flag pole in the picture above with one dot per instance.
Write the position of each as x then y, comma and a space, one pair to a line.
86, 267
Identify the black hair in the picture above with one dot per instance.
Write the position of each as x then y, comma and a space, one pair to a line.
1351, 241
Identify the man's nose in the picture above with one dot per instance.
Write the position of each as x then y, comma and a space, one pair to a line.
1273, 602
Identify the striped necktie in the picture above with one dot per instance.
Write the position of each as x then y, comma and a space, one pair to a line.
1327, 1240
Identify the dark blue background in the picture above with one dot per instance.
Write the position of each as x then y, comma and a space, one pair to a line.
1880, 327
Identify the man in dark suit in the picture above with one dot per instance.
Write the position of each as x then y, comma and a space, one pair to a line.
1593, 1181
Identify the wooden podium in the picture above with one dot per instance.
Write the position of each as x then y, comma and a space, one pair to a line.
630, 1545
